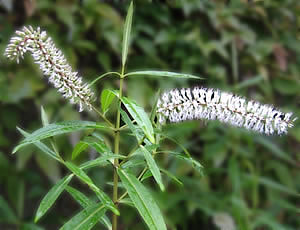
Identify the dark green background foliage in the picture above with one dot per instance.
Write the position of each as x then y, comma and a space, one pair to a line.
250, 49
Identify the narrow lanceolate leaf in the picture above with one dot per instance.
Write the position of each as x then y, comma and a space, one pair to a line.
44, 148
106, 99
174, 178
98, 145
51, 196
126, 34
44, 117
274, 149
86, 179
45, 121
101, 161
141, 117
188, 159
186, 156
56, 129
273, 185
143, 201
79, 147
86, 219
79, 173
6, 212
105, 199
146, 175
153, 167
84, 201
132, 127
154, 73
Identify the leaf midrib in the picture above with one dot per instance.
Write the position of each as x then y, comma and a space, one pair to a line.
93, 213
153, 222
142, 121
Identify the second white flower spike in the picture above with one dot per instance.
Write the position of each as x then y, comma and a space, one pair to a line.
211, 104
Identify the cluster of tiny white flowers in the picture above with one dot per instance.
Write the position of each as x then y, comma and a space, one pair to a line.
52, 62
204, 103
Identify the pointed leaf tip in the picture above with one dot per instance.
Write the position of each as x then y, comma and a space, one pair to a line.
51, 196
143, 201
126, 33
44, 117
153, 167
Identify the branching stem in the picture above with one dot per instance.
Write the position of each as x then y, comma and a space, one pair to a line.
102, 116
117, 146
139, 177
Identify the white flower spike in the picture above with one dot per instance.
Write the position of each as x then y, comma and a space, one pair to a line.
53, 64
204, 103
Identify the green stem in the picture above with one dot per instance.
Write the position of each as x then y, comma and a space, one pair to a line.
133, 150
123, 127
102, 116
117, 146
103, 75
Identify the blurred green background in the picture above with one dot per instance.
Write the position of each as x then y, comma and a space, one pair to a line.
253, 49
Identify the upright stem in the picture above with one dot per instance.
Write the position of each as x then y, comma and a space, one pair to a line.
117, 145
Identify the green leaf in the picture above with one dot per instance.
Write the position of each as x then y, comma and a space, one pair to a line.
132, 127
188, 159
102, 76
106, 200
286, 86
98, 145
50, 167
44, 117
79, 147
84, 201
127, 201
56, 129
133, 162
153, 167
273, 185
30, 226
146, 175
143, 201
274, 149
6, 213
174, 178
45, 122
126, 34
100, 161
86, 179
106, 99
141, 117
51, 196
86, 219
155, 73
154, 107
255, 80
44, 148
80, 173
177, 143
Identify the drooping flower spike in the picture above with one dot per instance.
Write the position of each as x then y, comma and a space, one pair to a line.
203, 103
53, 64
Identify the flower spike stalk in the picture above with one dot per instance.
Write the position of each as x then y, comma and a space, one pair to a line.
52, 63
204, 103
